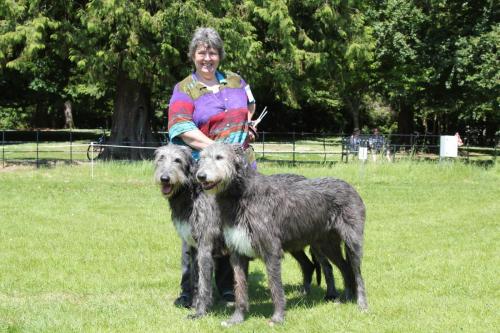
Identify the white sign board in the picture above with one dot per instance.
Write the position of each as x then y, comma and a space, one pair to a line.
448, 146
363, 153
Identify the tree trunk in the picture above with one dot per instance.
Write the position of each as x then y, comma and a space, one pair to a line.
405, 119
353, 104
68, 115
41, 116
131, 123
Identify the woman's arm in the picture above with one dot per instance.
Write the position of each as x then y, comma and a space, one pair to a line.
196, 139
251, 111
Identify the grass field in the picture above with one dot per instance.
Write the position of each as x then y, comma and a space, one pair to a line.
101, 254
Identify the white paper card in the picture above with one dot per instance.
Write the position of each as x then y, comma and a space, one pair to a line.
250, 97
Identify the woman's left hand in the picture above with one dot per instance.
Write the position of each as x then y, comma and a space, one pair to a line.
252, 133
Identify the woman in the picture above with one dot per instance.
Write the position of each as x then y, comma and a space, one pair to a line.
207, 106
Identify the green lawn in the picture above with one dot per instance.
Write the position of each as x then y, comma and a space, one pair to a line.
101, 254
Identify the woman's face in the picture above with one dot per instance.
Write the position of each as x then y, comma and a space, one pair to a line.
206, 60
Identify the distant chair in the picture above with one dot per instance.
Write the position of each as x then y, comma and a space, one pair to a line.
376, 143
351, 144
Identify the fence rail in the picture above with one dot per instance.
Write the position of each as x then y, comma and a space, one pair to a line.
43, 147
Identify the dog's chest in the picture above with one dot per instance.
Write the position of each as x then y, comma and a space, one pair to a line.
238, 240
184, 231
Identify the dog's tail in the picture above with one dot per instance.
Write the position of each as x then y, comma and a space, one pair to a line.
317, 267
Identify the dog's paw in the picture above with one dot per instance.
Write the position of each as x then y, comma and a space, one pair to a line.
363, 306
235, 319
348, 295
332, 298
276, 319
306, 289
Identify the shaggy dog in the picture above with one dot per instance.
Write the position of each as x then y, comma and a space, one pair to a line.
196, 220
262, 217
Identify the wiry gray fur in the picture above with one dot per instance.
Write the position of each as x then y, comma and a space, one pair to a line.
193, 214
320, 261
271, 216
197, 221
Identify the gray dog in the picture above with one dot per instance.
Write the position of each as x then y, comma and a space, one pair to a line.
261, 217
193, 214
196, 219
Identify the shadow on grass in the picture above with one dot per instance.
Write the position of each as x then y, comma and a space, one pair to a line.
42, 163
482, 163
290, 163
260, 298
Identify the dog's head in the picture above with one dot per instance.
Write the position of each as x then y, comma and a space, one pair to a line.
174, 168
219, 165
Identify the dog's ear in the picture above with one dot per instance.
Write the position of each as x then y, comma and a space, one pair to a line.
186, 149
241, 159
193, 167
238, 149
157, 154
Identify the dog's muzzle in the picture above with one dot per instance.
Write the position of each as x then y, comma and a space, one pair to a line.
166, 187
202, 179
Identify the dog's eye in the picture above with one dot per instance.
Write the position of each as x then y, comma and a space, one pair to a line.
178, 160
219, 157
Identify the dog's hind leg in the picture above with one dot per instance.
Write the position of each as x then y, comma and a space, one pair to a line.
331, 291
273, 268
307, 268
240, 267
317, 267
354, 252
333, 251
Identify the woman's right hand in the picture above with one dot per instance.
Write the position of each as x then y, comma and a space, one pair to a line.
196, 139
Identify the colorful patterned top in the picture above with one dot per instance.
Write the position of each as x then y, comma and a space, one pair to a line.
222, 114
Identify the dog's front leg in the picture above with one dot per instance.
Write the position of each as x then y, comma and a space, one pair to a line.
205, 265
273, 267
240, 266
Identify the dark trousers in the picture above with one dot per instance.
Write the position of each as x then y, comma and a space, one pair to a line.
224, 278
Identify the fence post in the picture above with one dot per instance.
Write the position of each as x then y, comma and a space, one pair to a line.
293, 148
70, 146
263, 141
92, 159
37, 141
3, 148
467, 138
324, 145
496, 142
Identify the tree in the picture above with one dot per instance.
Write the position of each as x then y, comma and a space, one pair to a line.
33, 56
401, 73
349, 49
313, 62
316, 59
433, 56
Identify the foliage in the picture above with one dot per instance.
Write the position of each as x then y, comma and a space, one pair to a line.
33, 57
13, 117
316, 64
438, 59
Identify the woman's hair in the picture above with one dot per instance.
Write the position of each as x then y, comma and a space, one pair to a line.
209, 37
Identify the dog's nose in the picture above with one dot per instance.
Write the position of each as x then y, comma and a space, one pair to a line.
201, 176
165, 179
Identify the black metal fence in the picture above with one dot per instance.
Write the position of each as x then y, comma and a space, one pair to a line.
45, 147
